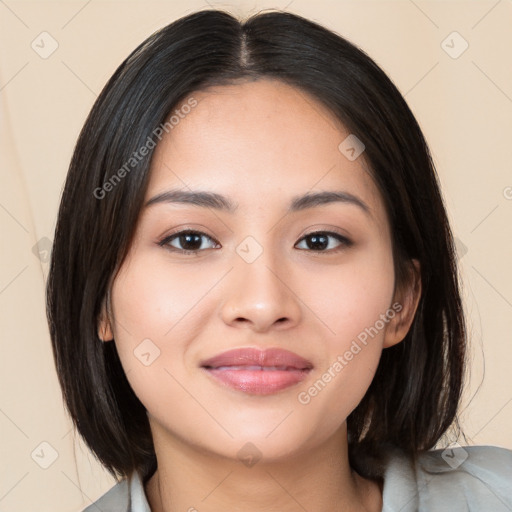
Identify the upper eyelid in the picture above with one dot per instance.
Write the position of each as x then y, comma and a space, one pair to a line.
187, 231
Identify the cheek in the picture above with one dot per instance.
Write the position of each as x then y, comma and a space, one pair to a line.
154, 299
150, 307
350, 297
160, 310
354, 302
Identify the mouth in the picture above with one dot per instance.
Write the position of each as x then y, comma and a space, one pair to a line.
259, 372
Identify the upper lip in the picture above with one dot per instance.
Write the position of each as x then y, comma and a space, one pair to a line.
257, 357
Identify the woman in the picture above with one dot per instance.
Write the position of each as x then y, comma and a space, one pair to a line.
253, 297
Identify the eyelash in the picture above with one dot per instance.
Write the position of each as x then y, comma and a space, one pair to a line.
345, 242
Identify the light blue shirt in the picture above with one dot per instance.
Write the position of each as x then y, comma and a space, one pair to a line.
469, 478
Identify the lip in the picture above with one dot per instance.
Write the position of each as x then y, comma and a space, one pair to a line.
255, 371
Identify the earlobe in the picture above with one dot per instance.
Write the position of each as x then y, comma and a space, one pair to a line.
104, 327
105, 332
407, 298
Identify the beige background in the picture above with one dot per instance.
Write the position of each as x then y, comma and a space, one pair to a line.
463, 104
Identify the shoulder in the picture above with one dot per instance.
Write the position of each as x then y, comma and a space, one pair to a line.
128, 495
117, 499
469, 478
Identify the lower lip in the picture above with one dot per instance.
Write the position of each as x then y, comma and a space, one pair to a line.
258, 382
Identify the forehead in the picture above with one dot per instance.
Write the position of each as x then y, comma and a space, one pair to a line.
258, 141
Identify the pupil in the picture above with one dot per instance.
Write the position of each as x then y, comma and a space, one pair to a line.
185, 241
316, 243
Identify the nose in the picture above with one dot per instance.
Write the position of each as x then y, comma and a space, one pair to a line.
260, 296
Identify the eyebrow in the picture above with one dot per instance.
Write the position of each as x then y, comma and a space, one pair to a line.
222, 203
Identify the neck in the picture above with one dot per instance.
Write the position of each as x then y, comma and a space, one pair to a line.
190, 479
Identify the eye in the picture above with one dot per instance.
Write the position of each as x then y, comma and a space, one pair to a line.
190, 241
322, 241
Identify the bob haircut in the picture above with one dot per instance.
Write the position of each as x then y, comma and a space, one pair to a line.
414, 396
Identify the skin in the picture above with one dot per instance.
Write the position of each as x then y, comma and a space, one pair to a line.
260, 143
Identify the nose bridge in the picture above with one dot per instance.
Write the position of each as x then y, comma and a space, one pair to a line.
258, 293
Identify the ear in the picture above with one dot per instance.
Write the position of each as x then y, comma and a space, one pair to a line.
405, 304
105, 332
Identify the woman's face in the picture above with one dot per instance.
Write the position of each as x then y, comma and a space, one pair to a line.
313, 278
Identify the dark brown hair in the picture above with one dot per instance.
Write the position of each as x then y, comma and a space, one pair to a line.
414, 395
